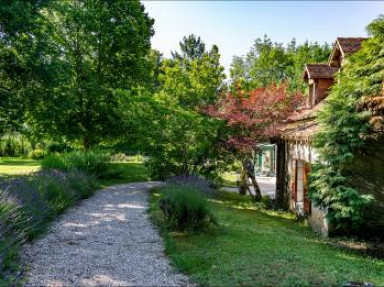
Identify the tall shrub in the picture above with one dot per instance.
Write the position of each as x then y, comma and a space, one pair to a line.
345, 132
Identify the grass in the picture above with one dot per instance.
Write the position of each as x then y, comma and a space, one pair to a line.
130, 172
17, 166
229, 179
252, 247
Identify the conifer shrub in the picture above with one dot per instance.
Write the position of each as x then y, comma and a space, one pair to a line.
346, 135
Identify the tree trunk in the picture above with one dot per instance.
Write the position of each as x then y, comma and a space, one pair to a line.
281, 175
185, 160
86, 143
243, 184
22, 145
243, 188
256, 186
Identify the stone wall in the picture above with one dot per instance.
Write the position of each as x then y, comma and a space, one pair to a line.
304, 152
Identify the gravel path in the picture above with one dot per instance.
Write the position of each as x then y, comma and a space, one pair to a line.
106, 240
267, 186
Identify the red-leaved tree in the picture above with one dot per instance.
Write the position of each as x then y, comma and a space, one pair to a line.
254, 117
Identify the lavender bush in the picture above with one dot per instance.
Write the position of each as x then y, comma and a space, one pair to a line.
194, 181
29, 203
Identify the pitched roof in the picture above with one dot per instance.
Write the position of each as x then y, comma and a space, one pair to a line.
302, 125
319, 71
301, 131
349, 45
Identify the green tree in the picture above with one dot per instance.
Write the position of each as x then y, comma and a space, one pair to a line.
20, 46
97, 47
191, 47
193, 81
307, 53
268, 63
183, 136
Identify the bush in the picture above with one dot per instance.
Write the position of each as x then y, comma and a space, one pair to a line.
11, 148
59, 148
36, 154
11, 232
96, 163
29, 203
54, 187
25, 194
185, 208
193, 181
83, 184
269, 203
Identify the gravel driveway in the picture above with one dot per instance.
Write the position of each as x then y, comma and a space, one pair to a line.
106, 240
267, 186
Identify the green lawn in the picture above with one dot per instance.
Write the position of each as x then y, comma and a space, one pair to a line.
18, 166
229, 179
259, 248
131, 172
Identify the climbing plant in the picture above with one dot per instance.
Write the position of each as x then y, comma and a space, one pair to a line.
346, 132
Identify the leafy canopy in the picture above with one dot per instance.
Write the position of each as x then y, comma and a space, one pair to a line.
182, 136
270, 63
255, 116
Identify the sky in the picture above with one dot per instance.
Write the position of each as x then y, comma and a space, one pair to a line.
234, 25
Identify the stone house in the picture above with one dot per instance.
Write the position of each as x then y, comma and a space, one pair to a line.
295, 153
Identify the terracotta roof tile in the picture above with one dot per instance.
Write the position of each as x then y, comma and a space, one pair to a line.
319, 71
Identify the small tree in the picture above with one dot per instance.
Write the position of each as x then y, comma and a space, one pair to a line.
254, 117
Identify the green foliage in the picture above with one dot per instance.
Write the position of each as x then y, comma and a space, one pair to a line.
185, 208
55, 191
268, 63
182, 138
59, 147
94, 162
345, 132
64, 64
127, 172
252, 247
191, 47
345, 205
28, 204
184, 143
36, 154
106, 46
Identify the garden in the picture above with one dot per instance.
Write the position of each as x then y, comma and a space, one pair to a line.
88, 105
35, 192
225, 239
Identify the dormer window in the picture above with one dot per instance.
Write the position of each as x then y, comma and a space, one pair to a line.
319, 78
342, 48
